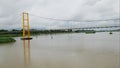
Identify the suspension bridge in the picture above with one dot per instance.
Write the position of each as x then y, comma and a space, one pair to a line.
39, 22
26, 25
85, 28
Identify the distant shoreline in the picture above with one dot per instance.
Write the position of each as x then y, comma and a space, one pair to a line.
7, 36
16, 33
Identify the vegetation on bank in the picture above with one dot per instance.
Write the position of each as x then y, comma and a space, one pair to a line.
90, 31
10, 35
6, 39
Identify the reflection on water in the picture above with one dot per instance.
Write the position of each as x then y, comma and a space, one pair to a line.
77, 50
26, 46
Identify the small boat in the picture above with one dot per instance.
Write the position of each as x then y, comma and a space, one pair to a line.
26, 38
110, 33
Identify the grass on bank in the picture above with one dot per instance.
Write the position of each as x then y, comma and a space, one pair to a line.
6, 39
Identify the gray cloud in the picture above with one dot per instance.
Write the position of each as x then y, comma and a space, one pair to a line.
10, 12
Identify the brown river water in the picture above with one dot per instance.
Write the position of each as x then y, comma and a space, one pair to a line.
76, 50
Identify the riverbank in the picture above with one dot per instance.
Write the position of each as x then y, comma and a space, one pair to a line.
6, 39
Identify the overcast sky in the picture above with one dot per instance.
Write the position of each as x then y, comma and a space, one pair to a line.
11, 10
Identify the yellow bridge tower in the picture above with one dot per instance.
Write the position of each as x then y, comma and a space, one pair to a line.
25, 26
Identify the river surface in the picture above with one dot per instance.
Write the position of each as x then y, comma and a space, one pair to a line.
76, 50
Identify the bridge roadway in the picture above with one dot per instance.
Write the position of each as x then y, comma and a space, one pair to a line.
97, 27
83, 28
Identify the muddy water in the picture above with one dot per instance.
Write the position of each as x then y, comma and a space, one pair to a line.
77, 50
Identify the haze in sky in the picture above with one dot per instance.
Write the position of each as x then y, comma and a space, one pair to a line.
11, 10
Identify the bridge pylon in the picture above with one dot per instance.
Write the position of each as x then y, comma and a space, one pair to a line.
25, 26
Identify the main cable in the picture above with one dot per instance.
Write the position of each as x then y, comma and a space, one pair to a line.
56, 19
